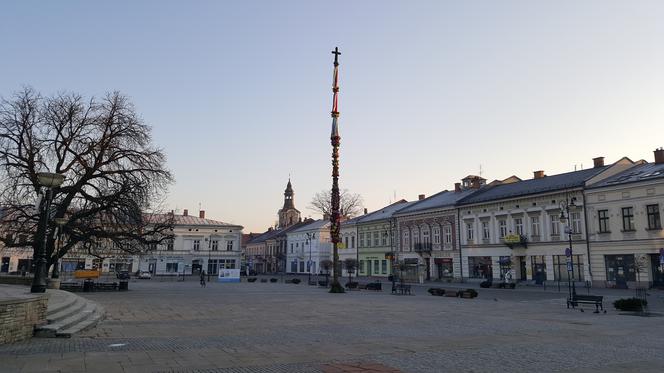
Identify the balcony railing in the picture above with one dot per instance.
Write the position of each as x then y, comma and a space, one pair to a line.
423, 247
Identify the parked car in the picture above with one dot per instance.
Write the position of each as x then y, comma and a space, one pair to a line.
122, 275
144, 275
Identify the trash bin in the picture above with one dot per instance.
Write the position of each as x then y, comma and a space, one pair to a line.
88, 286
124, 286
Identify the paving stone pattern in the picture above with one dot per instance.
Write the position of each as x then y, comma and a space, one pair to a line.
246, 328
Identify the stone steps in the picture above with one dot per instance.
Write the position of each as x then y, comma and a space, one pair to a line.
69, 314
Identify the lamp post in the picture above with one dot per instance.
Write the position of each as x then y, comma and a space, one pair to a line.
565, 215
335, 140
60, 222
209, 257
49, 181
310, 236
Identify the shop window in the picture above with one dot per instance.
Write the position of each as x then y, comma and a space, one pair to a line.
480, 267
620, 269
560, 269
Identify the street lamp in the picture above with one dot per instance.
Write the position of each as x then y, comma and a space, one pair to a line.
565, 216
60, 222
49, 181
209, 257
310, 236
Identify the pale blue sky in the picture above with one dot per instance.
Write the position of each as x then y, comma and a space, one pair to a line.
238, 93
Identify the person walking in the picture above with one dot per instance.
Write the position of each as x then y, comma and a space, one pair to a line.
202, 278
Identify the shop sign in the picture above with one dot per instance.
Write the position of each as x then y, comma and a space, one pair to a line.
512, 238
229, 275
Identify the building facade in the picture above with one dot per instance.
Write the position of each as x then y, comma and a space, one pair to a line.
625, 227
198, 244
513, 231
428, 234
308, 246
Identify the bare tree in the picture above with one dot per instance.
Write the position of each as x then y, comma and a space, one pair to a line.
350, 204
115, 178
351, 265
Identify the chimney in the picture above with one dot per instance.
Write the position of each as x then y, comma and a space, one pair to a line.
457, 187
659, 156
185, 212
597, 162
420, 197
365, 211
201, 214
538, 174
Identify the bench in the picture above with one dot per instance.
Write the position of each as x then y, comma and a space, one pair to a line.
586, 299
376, 286
352, 285
401, 289
71, 286
105, 286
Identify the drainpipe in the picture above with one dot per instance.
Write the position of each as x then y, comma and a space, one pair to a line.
458, 239
585, 216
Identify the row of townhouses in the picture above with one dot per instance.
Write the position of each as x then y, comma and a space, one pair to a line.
198, 244
600, 225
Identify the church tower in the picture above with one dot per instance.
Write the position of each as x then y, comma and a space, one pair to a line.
288, 215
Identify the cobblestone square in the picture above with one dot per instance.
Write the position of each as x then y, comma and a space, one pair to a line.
274, 327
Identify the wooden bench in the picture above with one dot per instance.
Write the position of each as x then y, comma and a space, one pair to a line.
401, 289
596, 300
106, 286
71, 286
376, 286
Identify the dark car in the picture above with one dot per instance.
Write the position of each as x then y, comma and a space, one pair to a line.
122, 275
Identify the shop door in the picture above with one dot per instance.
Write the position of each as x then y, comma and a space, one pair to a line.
4, 267
428, 262
657, 271
522, 268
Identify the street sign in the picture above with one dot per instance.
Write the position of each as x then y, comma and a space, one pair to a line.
568, 252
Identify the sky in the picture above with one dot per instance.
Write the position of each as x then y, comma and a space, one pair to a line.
238, 93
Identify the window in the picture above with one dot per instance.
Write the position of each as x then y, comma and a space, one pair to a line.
406, 240
197, 245
560, 268
384, 238
502, 225
361, 240
291, 249
169, 245
229, 245
368, 240
576, 222
425, 237
361, 269
436, 235
620, 268
654, 221
215, 245
172, 267
213, 267
535, 226
628, 218
485, 230
376, 266
555, 225
301, 266
518, 226
352, 241
416, 236
447, 231
603, 216
346, 242
470, 232
383, 267
376, 236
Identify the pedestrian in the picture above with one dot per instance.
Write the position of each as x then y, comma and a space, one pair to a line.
202, 279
